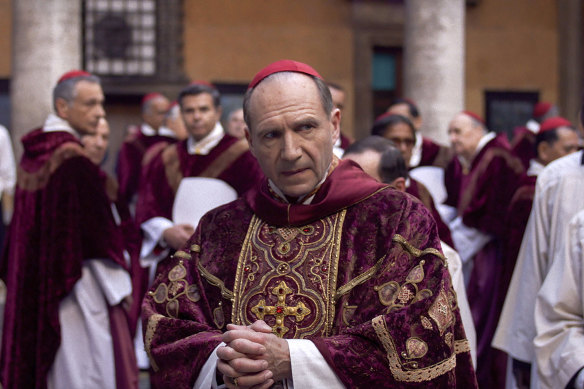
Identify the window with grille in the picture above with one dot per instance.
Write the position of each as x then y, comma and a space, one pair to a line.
133, 38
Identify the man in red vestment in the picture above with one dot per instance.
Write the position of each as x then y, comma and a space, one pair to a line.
523, 142
319, 276
425, 152
207, 152
66, 276
480, 183
155, 107
401, 131
556, 137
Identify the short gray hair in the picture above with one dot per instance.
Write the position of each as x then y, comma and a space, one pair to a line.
66, 89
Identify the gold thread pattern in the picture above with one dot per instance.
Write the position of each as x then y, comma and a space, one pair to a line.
415, 251
225, 293
426, 323
416, 348
178, 287
461, 346
219, 316
150, 330
301, 260
196, 248
348, 312
395, 366
281, 310
441, 311
393, 295
361, 278
182, 255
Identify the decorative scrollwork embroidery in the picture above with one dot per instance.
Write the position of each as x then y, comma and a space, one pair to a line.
393, 295
415, 251
441, 311
395, 365
177, 287
150, 330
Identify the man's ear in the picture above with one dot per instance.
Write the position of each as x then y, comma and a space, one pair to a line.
248, 137
399, 184
336, 123
417, 122
543, 151
62, 107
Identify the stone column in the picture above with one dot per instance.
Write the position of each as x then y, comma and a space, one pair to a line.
46, 42
434, 62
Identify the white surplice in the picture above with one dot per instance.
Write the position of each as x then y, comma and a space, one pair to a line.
559, 313
557, 199
85, 358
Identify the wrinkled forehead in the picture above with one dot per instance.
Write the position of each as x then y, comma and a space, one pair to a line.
281, 87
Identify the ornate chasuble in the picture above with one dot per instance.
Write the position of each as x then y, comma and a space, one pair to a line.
62, 216
361, 278
288, 277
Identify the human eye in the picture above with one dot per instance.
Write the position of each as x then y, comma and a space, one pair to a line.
270, 135
306, 126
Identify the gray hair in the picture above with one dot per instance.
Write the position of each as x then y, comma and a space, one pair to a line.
323, 92
66, 89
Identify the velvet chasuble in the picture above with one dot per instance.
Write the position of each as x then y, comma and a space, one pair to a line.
62, 216
130, 157
359, 272
230, 161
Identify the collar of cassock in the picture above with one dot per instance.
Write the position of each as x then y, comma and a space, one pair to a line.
55, 123
147, 130
307, 198
416, 151
344, 186
205, 145
482, 143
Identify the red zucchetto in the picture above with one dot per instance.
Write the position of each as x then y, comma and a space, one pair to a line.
474, 116
541, 109
284, 65
553, 123
150, 96
72, 74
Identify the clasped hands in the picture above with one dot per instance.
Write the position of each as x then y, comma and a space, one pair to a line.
253, 357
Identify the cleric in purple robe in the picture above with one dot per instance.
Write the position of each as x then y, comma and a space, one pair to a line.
155, 107
320, 276
207, 152
68, 283
480, 183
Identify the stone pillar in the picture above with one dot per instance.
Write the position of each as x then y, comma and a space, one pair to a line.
434, 62
46, 42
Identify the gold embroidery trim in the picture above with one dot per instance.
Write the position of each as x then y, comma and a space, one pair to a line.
361, 278
334, 271
152, 324
238, 272
182, 254
461, 346
225, 293
196, 248
417, 375
415, 251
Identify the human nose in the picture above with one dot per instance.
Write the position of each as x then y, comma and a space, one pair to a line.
291, 149
100, 111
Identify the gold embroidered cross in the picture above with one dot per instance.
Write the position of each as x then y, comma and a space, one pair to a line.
280, 310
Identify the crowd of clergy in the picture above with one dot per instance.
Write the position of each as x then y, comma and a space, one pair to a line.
506, 211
